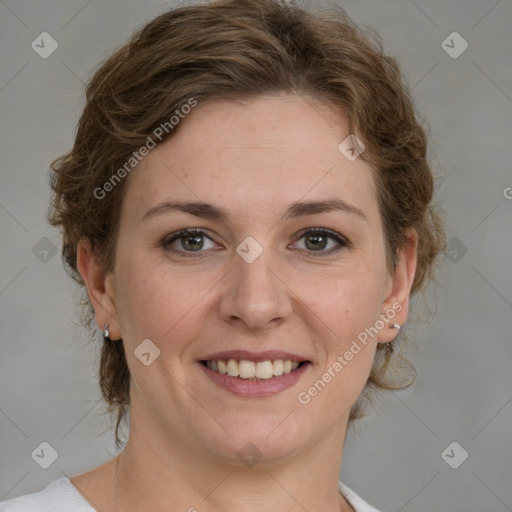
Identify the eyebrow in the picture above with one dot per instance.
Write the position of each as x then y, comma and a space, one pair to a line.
212, 212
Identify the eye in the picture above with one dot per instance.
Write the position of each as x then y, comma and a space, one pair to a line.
188, 240
192, 240
317, 239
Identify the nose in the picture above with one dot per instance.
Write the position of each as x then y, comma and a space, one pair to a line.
255, 295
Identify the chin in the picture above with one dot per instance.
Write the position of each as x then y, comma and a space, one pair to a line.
263, 441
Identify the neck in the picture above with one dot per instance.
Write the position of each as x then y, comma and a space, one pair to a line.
153, 475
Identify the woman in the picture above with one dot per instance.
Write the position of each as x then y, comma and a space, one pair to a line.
248, 206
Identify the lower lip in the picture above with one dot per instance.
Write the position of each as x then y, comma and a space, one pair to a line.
255, 388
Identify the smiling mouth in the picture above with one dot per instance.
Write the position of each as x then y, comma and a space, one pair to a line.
251, 370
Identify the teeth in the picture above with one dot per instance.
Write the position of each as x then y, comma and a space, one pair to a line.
232, 367
278, 367
253, 370
246, 369
221, 366
264, 369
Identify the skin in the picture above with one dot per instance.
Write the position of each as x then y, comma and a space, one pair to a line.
253, 160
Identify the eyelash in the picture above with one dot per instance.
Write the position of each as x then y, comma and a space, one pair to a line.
344, 243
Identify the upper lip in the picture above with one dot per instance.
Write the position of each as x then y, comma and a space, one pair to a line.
246, 355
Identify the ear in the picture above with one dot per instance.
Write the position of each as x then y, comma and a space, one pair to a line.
100, 288
395, 307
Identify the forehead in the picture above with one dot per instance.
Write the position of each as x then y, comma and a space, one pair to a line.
247, 157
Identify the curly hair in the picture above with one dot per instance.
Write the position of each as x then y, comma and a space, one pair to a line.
238, 50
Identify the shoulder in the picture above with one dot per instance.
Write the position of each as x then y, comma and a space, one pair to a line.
354, 499
58, 496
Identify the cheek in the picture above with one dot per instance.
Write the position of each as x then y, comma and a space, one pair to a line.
346, 307
157, 301
346, 300
139, 303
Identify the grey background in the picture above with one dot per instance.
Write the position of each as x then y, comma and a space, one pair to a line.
463, 393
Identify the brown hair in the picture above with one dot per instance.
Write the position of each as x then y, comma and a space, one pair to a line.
236, 50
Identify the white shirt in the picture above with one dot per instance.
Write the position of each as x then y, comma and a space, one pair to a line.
62, 496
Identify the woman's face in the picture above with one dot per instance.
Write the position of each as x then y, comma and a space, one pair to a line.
253, 281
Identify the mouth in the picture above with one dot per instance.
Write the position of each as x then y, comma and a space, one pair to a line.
253, 370
254, 374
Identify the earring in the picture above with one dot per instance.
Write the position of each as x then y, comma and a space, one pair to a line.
106, 333
389, 344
